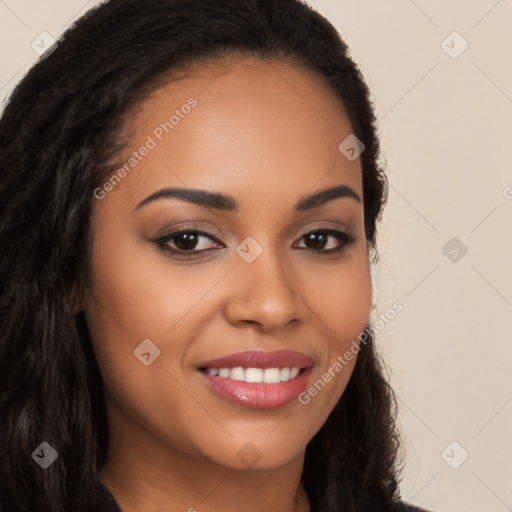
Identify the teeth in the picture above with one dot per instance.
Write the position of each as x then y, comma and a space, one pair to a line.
267, 375
272, 375
237, 373
254, 375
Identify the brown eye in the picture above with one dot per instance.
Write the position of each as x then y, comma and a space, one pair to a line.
185, 241
318, 239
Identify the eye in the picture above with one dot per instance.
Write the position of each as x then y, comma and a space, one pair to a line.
319, 239
190, 243
185, 242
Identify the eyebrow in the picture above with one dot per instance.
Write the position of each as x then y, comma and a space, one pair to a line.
228, 203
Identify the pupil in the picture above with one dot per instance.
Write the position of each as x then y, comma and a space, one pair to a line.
188, 238
316, 238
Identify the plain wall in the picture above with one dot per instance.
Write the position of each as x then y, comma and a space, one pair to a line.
445, 129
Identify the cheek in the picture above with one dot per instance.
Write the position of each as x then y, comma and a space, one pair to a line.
130, 300
133, 295
343, 298
132, 290
124, 304
354, 301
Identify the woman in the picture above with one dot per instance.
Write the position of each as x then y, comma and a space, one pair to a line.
189, 196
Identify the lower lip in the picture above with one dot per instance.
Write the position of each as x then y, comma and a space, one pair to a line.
259, 395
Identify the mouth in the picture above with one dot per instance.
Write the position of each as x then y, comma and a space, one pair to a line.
258, 379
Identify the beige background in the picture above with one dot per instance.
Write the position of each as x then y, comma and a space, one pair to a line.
445, 127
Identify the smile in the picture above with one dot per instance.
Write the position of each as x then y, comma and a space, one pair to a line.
258, 379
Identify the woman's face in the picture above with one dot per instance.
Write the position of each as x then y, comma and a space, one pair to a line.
267, 135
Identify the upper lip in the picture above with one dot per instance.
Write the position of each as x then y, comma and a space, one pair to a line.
260, 359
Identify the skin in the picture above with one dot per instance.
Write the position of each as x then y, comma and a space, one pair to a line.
266, 133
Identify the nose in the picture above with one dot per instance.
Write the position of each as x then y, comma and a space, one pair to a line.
263, 294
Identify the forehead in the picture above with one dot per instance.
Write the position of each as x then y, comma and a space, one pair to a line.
245, 125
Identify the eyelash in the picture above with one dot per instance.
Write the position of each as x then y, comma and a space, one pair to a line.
345, 238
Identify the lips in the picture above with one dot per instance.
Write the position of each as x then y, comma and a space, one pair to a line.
260, 359
242, 377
